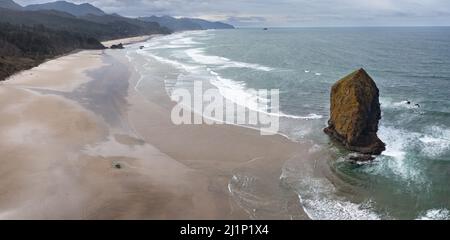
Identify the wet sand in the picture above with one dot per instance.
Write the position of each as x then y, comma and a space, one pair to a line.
78, 142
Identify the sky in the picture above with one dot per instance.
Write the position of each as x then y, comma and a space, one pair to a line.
287, 13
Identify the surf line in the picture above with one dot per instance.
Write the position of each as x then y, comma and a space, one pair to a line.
210, 107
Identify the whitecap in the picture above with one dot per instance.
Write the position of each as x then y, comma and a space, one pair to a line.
436, 142
327, 209
311, 116
185, 41
435, 214
198, 56
177, 64
398, 143
238, 93
387, 103
318, 196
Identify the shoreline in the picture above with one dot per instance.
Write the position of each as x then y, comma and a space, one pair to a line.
107, 44
71, 135
128, 41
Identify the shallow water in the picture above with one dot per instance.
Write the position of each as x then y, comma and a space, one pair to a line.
409, 181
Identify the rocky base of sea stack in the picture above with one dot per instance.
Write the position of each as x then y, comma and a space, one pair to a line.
360, 158
374, 145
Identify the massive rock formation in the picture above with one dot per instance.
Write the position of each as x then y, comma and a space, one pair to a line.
355, 113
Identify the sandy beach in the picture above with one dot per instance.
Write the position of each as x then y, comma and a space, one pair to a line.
78, 142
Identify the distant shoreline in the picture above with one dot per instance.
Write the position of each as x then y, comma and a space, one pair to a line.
128, 41
107, 44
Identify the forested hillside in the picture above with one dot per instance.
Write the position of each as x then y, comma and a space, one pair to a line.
27, 38
23, 47
100, 27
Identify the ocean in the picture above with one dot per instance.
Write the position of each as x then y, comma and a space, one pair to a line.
410, 180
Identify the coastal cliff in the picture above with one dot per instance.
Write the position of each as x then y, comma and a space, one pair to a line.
355, 113
24, 47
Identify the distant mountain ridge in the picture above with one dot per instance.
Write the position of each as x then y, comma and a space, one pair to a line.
100, 27
183, 24
10, 4
172, 23
86, 10
68, 7
204, 24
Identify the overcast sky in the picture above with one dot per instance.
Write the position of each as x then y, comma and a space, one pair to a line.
289, 13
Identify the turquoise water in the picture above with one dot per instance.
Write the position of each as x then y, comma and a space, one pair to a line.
411, 179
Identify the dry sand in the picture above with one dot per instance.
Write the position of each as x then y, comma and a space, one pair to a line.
78, 142
62, 74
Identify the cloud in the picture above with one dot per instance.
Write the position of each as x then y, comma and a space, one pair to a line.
287, 12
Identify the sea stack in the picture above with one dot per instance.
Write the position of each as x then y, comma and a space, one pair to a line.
355, 113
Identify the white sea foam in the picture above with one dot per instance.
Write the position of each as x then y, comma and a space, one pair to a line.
434, 147
310, 116
398, 143
318, 195
435, 214
319, 201
238, 93
167, 46
197, 54
433, 143
436, 142
327, 209
184, 41
397, 140
177, 64
388, 103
